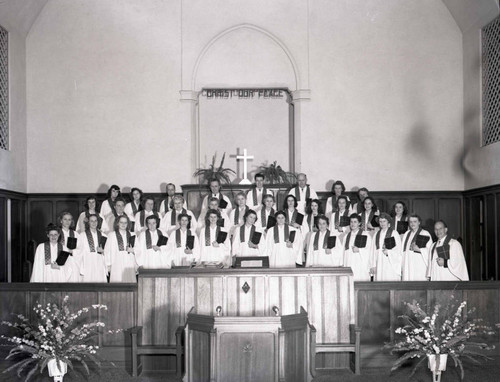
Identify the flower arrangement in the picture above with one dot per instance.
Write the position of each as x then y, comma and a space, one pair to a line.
448, 331
56, 337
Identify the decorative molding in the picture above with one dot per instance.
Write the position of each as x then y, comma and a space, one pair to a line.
189, 95
301, 94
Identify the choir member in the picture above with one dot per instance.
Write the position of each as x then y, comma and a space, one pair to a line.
118, 210
167, 203
45, 268
177, 249
257, 193
243, 244
215, 188
236, 215
148, 205
368, 214
313, 210
66, 223
119, 254
318, 252
362, 194
135, 205
386, 252
282, 252
290, 209
93, 264
214, 205
416, 253
107, 205
169, 222
342, 209
358, 258
302, 192
91, 208
338, 189
399, 214
211, 250
151, 253
265, 210
447, 257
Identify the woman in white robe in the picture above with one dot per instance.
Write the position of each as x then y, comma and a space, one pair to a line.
291, 212
118, 210
119, 254
399, 214
265, 210
133, 207
370, 211
386, 263
107, 206
210, 249
177, 250
338, 190
90, 209
240, 209
415, 259
148, 205
93, 264
313, 211
242, 244
318, 253
74, 261
45, 268
169, 222
342, 210
357, 258
213, 204
281, 251
148, 254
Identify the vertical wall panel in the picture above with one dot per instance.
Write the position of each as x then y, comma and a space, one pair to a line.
450, 210
489, 251
425, 208
3, 240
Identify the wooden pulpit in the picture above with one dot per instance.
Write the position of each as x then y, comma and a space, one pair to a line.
255, 348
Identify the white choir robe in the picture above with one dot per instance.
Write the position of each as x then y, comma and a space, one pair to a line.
108, 224
304, 231
201, 222
164, 210
209, 253
250, 202
302, 202
262, 224
80, 224
75, 260
360, 261
177, 254
204, 204
129, 211
280, 256
240, 222
44, 273
149, 258
367, 221
138, 227
330, 205
415, 264
388, 267
106, 209
319, 257
339, 230
241, 248
122, 264
167, 226
93, 265
457, 268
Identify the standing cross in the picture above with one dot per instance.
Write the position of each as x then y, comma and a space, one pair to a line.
245, 158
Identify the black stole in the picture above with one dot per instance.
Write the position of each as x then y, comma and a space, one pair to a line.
90, 240
363, 219
377, 236
277, 234
242, 233
135, 209
254, 195
337, 217
173, 215
48, 257
208, 243
348, 238
143, 217
149, 243
263, 218
237, 214
405, 247
297, 193
62, 239
119, 239
310, 222
99, 220
178, 236
294, 216
165, 203
325, 240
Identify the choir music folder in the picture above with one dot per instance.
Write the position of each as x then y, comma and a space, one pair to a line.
221, 237
271, 222
422, 241
443, 252
344, 221
316, 219
331, 242
62, 257
360, 241
162, 240
71, 244
402, 227
222, 203
132, 226
256, 237
299, 219
131, 241
190, 242
389, 242
220, 222
291, 238
374, 222
103, 241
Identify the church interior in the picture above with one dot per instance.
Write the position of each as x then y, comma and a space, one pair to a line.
396, 101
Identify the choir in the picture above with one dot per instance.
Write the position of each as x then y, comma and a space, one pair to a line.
112, 243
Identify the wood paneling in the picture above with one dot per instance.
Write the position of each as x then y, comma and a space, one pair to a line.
3, 240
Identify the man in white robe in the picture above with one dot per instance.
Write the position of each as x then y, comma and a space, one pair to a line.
149, 255
93, 265
302, 192
119, 210
451, 267
215, 193
45, 268
385, 262
415, 258
169, 223
255, 195
74, 261
167, 203
357, 258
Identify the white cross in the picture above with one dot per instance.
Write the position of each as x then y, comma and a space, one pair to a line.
245, 158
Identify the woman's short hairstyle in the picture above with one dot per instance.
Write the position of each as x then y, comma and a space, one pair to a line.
63, 214
362, 189
355, 216
393, 209
324, 218
145, 199
132, 193
374, 208
117, 222
179, 197
320, 207
52, 227
267, 196
386, 216
338, 183
86, 205
347, 203
207, 216
153, 217
249, 212
285, 203
119, 199
113, 187
280, 213
241, 193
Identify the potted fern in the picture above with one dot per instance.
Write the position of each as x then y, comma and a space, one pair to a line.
274, 174
214, 172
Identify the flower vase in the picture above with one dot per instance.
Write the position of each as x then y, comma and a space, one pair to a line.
437, 364
57, 372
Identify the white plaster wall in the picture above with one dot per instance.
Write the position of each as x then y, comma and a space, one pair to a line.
104, 80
